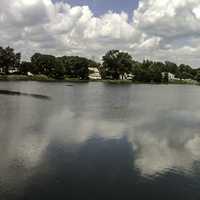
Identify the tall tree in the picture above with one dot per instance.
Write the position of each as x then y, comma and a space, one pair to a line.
76, 67
117, 63
156, 72
9, 59
197, 77
43, 64
170, 67
185, 72
26, 67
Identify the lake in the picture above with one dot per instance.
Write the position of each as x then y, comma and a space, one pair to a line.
98, 141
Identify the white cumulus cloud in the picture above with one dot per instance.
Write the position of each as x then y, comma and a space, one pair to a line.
160, 30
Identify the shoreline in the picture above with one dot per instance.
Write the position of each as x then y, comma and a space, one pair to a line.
43, 78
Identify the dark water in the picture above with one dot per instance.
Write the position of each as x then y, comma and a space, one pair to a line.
97, 141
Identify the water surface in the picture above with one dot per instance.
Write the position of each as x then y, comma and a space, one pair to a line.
99, 141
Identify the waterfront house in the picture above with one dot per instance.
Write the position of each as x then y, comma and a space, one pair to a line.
94, 73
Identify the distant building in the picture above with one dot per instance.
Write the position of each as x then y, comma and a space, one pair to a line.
29, 74
127, 77
94, 73
171, 77
10, 70
13, 70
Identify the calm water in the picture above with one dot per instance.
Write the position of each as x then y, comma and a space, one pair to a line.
97, 141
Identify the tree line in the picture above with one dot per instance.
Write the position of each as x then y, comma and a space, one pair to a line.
49, 65
115, 65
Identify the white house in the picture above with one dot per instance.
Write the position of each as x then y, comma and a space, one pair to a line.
127, 77
13, 70
94, 73
29, 74
171, 77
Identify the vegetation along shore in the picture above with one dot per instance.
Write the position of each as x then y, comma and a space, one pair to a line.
116, 67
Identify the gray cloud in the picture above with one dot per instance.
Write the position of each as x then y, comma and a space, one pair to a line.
160, 30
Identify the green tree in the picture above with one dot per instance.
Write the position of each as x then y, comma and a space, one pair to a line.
59, 71
9, 59
43, 64
197, 77
26, 67
79, 68
116, 63
141, 73
148, 71
156, 72
165, 77
170, 67
185, 72
76, 67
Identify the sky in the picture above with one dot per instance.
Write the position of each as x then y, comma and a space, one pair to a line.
147, 29
100, 7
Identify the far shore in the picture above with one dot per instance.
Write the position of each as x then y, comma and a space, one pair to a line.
44, 78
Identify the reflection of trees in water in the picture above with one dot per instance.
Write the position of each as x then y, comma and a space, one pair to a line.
160, 141
98, 169
102, 169
62, 157
15, 93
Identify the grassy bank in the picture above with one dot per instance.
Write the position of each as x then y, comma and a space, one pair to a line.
36, 78
24, 78
188, 82
117, 81
46, 78
75, 80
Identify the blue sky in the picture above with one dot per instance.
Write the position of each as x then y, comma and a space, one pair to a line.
160, 30
100, 7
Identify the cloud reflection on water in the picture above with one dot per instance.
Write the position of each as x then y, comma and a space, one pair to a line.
157, 149
162, 138
155, 152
